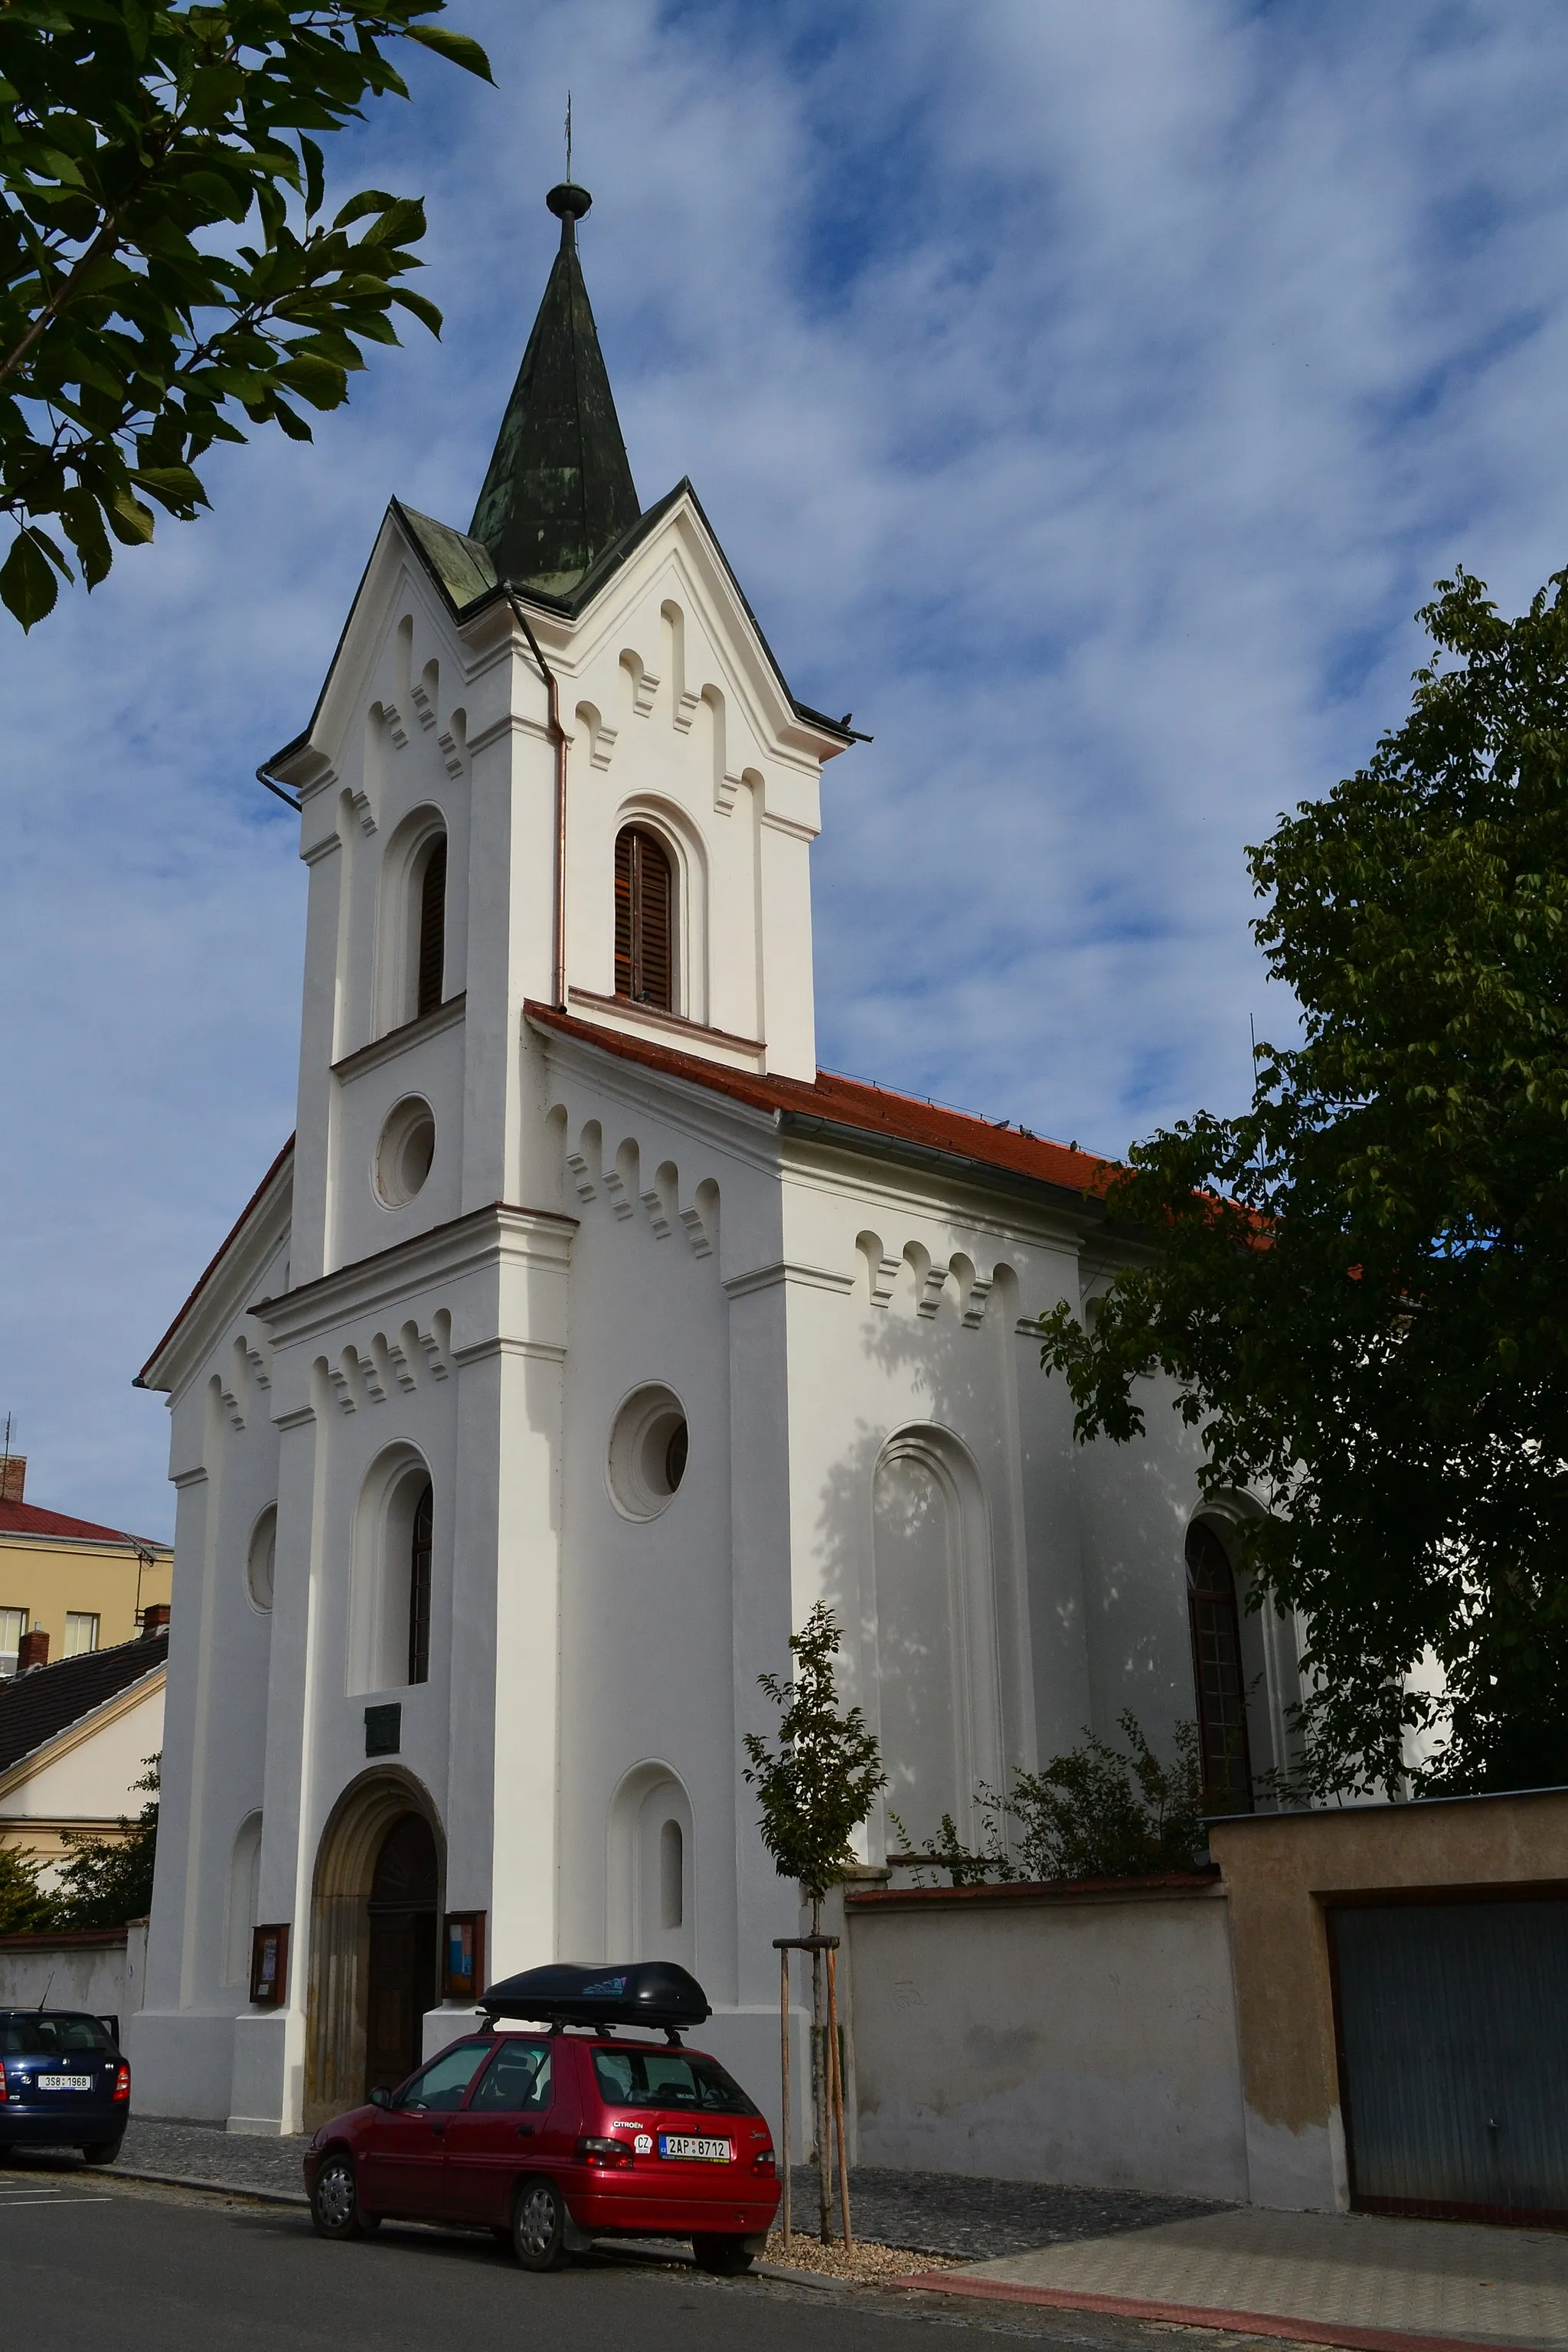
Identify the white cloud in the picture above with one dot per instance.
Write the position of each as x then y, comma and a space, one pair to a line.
1085, 395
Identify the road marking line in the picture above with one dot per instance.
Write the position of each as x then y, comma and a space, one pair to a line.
50, 2198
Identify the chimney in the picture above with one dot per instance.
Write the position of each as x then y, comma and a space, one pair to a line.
155, 1619
12, 1476
33, 1649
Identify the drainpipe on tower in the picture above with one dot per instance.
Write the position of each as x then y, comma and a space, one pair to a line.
559, 732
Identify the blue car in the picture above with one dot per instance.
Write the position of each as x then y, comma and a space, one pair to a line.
63, 2083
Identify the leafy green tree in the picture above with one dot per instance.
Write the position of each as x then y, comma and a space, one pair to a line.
1358, 1287
813, 1790
1094, 1812
165, 268
816, 1787
23, 1906
109, 1880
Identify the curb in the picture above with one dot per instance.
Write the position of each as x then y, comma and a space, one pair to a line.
212, 2188
1186, 2315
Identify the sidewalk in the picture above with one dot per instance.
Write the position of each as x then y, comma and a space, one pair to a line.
1354, 2279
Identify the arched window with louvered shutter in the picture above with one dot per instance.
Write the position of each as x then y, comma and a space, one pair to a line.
421, 1543
430, 965
645, 918
1221, 1690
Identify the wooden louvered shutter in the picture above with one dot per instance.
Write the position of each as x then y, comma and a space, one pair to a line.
625, 842
432, 930
653, 923
644, 906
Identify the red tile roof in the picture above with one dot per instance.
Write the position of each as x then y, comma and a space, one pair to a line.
844, 1102
850, 1102
27, 1519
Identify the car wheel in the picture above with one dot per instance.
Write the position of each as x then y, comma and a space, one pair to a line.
724, 2257
103, 2151
539, 2226
334, 2200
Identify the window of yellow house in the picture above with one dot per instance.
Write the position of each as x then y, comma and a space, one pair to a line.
12, 1625
81, 1631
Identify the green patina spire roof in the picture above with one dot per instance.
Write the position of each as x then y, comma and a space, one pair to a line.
559, 490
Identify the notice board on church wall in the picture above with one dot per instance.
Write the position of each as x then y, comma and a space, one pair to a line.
463, 1955
270, 1966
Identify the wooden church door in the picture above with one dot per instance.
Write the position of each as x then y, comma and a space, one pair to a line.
402, 1951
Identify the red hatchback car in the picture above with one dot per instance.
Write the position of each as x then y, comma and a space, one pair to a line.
552, 2139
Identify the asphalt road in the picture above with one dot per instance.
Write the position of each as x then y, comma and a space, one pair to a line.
87, 2263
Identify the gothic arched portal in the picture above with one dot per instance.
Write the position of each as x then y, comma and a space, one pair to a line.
375, 1904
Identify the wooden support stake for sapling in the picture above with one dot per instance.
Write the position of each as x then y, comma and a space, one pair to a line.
837, 2080
784, 2061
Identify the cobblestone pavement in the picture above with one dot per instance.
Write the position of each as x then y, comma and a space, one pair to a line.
207, 2152
980, 2220
932, 2212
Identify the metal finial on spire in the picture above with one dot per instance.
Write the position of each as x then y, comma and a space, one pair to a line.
568, 136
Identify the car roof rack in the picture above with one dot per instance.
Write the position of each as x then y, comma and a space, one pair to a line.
654, 1994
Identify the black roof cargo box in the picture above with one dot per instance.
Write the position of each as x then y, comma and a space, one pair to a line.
652, 1993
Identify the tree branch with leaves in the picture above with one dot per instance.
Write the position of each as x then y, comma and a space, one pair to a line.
164, 269
1358, 1285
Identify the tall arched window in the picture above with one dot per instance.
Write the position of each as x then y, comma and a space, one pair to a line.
1216, 1670
430, 964
644, 908
420, 1540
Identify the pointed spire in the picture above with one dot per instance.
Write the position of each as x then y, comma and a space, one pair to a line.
559, 490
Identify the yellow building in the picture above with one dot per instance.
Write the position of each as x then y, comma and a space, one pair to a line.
81, 1586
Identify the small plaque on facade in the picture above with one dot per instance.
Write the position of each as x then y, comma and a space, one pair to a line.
384, 1729
464, 1955
269, 1965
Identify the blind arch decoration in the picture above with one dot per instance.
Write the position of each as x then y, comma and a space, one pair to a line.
1219, 1680
645, 918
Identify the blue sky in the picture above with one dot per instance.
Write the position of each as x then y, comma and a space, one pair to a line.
1087, 392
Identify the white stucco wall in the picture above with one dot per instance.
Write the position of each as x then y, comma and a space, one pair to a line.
103, 1975
1084, 2041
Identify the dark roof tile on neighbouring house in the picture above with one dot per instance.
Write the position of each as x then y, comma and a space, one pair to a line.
35, 1707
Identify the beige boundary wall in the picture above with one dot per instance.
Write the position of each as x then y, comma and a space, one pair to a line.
1283, 1872
1082, 2034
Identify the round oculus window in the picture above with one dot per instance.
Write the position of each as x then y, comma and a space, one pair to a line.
647, 1452
404, 1153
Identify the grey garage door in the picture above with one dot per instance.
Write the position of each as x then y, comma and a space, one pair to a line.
1453, 2024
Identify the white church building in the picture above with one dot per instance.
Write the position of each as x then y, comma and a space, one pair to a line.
585, 1334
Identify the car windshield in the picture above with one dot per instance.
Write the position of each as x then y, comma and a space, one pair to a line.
34, 2033
668, 2078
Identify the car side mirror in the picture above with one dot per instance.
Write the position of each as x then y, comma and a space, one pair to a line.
380, 2098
